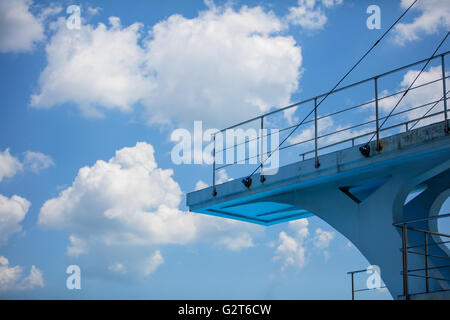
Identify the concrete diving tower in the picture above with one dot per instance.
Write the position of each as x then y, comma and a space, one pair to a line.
361, 197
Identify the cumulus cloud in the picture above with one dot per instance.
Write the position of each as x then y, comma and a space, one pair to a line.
291, 250
322, 240
33, 161
243, 241
34, 279
93, 11
37, 161
12, 213
20, 30
309, 14
434, 15
117, 268
76, 247
201, 185
52, 10
154, 262
234, 62
82, 70
128, 202
9, 165
11, 278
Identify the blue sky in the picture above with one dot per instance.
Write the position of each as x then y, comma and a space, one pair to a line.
106, 98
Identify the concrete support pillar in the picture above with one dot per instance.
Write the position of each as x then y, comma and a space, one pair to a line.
369, 224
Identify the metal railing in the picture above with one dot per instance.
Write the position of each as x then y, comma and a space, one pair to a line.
262, 155
406, 249
352, 274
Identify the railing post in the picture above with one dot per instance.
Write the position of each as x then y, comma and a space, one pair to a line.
214, 192
317, 164
261, 176
444, 88
405, 261
376, 114
426, 262
353, 287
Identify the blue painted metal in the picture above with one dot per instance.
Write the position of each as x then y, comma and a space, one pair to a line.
361, 192
381, 182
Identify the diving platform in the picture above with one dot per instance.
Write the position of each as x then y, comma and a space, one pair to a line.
382, 195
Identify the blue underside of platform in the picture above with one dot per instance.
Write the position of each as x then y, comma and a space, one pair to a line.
264, 213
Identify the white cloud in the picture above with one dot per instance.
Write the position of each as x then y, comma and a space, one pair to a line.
128, 202
300, 227
201, 185
331, 3
77, 247
309, 14
9, 165
34, 279
222, 176
20, 30
93, 11
82, 70
243, 241
11, 278
12, 213
291, 250
117, 268
52, 10
33, 161
434, 16
323, 238
37, 161
154, 262
234, 62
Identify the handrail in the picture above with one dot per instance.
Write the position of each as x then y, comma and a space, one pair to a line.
406, 272
263, 155
341, 141
345, 110
352, 273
